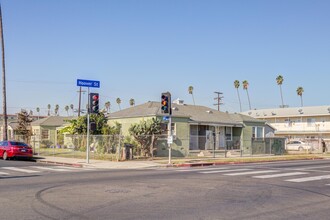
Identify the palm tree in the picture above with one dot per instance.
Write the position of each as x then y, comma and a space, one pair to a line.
190, 91
4, 96
245, 87
67, 109
57, 107
107, 106
118, 100
49, 106
71, 107
131, 102
300, 91
237, 85
279, 80
38, 110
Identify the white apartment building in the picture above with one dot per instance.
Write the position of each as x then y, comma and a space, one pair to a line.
307, 123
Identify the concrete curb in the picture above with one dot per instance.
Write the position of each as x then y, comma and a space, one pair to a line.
201, 164
61, 163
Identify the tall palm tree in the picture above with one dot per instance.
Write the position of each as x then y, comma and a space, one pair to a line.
71, 107
191, 92
67, 109
300, 91
118, 100
49, 106
38, 110
237, 85
4, 96
279, 81
107, 106
57, 107
245, 87
131, 102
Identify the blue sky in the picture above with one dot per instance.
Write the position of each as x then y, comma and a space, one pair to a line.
141, 48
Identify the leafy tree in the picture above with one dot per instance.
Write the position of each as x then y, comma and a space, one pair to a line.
190, 91
145, 133
245, 87
78, 127
279, 81
237, 85
300, 91
24, 125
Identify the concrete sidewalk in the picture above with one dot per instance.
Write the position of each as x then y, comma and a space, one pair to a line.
182, 162
101, 164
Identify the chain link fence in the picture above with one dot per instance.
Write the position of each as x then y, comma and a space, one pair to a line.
118, 147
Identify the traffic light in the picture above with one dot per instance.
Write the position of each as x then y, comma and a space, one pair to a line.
94, 103
166, 103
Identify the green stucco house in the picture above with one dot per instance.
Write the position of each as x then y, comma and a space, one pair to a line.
196, 128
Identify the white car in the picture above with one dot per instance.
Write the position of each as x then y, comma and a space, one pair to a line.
298, 145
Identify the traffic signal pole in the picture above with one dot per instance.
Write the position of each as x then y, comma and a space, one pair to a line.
168, 142
87, 147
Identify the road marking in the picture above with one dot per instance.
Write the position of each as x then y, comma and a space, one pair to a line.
309, 168
223, 171
200, 169
3, 173
52, 169
279, 175
307, 179
251, 172
20, 170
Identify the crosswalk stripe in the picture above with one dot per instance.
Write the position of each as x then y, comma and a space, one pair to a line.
20, 170
3, 173
251, 172
52, 169
194, 169
279, 175
307, 179
223, 171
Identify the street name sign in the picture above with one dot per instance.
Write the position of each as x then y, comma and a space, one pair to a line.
88, 83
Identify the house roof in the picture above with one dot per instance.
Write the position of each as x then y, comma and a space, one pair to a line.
51, 121
244, 118
195, 113
13, 125
289, 112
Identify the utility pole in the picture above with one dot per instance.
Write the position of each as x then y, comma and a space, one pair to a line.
218, 99
4, 96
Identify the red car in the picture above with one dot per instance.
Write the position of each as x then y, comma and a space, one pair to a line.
9, 149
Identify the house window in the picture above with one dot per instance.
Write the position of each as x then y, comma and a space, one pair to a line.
257, 132
228, 133
310, 122
45, 134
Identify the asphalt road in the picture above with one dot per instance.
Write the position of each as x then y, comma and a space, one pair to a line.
281, 190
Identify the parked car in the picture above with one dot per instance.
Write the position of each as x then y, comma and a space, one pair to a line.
297, 145
10, 149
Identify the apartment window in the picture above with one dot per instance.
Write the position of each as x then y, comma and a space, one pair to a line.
228, 133
310, 122
45, 134
257, 132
